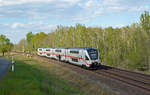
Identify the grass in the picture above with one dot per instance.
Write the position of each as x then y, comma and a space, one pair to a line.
29, 79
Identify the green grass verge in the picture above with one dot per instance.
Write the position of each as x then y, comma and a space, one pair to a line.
29, 80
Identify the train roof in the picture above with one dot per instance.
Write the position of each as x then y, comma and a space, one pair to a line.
81, 48
85, 48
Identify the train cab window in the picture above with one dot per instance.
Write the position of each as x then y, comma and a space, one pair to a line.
40, 49
93, 54
86, 58
75, 60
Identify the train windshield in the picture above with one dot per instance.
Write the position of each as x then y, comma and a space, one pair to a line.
93, 53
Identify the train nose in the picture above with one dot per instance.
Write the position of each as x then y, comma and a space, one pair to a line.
95, 65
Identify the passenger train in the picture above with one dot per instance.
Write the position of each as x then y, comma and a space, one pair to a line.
85, 57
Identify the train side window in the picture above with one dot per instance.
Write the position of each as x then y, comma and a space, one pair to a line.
57, 50
47, 49
86, 58
74, 52
75, 60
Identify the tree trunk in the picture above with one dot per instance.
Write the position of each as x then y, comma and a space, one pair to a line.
148, 62
3, 53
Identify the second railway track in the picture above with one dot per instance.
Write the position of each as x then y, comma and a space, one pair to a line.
136, 82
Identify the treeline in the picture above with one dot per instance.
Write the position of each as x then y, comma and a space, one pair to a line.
127, 47
5, 45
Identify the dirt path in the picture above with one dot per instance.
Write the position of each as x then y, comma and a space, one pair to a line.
4, 65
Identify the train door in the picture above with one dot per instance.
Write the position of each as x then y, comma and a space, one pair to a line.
66, 55
63, 54
81, 57
82, 61
86, 59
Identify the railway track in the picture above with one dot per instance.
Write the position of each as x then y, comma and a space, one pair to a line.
136, 82
131, 73
141, 81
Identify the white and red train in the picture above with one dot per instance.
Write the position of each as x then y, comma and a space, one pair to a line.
85, 57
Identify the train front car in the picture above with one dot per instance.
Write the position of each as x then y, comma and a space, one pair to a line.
92, 58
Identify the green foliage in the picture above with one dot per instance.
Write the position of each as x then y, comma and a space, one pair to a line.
126, 47
5, 45
34, 41
29, 37
145, 21
38, 40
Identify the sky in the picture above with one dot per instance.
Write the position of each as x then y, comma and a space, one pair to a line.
18, 17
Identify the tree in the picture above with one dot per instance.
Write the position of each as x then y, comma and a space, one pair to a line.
29, 37
145, 21
38, 40
21, 46
5, 45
